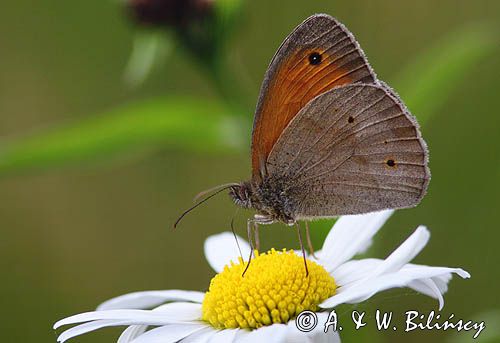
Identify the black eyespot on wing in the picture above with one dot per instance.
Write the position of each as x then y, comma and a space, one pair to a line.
314, 58
391, 163
350, 119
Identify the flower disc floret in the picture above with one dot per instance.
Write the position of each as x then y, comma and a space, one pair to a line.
274, 289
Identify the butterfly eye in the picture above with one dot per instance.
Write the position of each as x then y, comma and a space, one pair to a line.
314, 58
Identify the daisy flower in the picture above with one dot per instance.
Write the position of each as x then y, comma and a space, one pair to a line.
262, 305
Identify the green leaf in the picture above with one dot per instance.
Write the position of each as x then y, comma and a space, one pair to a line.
492, 335
427, 82
194, 124
148, 50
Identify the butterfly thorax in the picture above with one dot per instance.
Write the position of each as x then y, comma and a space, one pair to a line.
269, 197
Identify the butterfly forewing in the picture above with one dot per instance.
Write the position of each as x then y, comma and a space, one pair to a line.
317, 56
353, 149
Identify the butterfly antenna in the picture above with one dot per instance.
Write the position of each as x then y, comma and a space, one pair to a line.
219, 187
201, 202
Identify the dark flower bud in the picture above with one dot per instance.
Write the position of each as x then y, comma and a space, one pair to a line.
170, 13
200, 27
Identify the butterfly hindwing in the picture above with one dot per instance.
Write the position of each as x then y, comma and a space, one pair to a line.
353, 149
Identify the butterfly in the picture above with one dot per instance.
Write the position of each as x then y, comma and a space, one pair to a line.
329, 138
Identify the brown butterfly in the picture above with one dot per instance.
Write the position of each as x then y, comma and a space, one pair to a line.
329, 138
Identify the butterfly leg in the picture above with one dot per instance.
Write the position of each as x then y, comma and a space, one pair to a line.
234, 232
309, 242
250, 223
302, 248
256, 235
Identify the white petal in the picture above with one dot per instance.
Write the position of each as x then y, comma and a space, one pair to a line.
354, 270
429, 288
443, 273
365, 288
442, 282
132, 317
131, 333
288, 333
188, 311
149, 299
275, 333
224, 336
361, 291
181, 311
221, 249
202, 336
350, 235
436, 283
317, 335
87, 327
404, 253
169, 333
363, 248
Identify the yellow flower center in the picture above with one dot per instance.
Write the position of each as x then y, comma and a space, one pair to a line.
275, 289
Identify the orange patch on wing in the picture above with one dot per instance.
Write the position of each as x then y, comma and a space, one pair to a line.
296, 83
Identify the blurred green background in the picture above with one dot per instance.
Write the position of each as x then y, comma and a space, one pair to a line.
86, 210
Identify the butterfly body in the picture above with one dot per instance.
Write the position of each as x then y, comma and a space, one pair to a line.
270, 197
329, 138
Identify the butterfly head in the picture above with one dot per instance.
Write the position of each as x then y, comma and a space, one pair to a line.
242, 194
